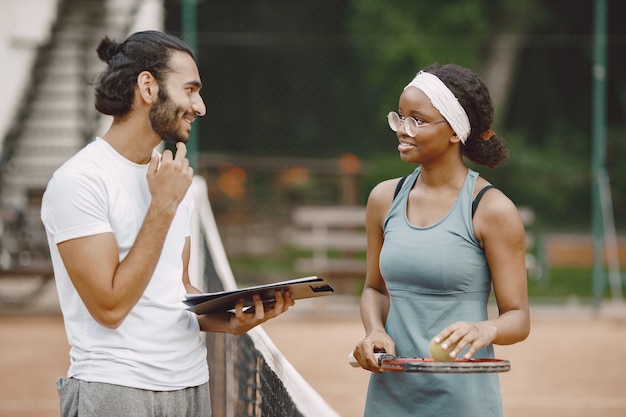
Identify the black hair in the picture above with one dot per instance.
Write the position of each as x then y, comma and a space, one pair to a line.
142, 51
474, 97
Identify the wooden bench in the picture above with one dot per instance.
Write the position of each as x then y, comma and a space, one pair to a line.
576, 250
335, 235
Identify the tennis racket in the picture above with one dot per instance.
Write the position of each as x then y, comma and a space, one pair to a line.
391, 363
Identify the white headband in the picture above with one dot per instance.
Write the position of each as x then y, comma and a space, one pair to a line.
443, 100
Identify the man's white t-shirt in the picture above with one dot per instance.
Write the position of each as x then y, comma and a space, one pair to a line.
158, 345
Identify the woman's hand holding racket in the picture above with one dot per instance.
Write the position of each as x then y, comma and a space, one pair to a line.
367, 351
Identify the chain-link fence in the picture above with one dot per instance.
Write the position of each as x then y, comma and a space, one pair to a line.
297, 94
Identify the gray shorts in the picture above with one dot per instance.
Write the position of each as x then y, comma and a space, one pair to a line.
96, 399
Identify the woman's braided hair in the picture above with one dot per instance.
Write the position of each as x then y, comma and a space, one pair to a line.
473, 95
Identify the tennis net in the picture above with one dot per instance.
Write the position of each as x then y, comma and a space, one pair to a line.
249, 375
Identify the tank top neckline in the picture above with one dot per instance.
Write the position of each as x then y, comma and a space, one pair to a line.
404, 201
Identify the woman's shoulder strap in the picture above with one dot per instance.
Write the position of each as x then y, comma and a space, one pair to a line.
479, 196
399, 186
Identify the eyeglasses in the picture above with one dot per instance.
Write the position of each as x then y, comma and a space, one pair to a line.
411, 124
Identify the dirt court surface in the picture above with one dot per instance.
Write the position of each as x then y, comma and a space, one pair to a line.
571, 365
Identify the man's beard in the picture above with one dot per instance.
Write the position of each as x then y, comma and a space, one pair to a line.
164, 118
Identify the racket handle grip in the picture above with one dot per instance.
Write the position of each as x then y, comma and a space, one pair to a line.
355, 364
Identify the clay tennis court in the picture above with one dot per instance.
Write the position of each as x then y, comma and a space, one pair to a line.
571, 365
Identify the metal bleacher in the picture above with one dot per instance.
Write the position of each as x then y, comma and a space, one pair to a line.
54, 118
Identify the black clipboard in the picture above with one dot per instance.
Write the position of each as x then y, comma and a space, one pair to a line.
222, 301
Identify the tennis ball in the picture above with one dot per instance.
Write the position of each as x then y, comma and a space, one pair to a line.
438, 353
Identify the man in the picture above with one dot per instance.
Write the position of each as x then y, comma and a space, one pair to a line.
117, 218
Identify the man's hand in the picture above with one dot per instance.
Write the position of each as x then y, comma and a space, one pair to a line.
169, 177
242, 321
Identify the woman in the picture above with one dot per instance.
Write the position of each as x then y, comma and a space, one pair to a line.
432, 260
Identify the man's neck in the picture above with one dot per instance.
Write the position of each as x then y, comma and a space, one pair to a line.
134, 144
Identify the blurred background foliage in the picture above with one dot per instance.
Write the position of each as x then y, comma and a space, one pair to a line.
313, 80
